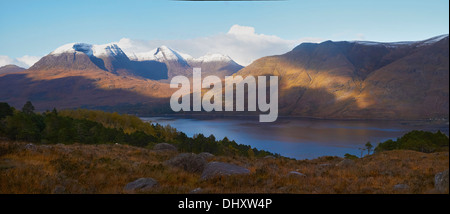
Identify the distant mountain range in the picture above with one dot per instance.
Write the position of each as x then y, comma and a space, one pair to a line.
158, 64
361, 80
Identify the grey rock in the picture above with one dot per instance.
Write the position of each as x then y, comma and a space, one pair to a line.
30, 147
401, 187
206, 155
269, 157
346, 163
189, 162
441, 181
141, 184
196, 190
214, 169
296, 174
165, 147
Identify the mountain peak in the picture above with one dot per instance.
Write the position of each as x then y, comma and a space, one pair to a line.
110, 49
165, 53
160, 54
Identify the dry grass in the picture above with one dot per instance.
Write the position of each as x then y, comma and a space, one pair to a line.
108, 168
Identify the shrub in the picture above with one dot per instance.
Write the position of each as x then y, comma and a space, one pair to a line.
351, 157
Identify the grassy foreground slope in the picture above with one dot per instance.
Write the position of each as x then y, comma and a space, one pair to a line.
78, 168
83, 151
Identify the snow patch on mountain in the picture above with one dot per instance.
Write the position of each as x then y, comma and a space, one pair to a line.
165, 53
397, 44
160, 54
434, 39
110, 49
213, 58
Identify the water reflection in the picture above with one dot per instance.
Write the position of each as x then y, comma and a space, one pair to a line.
300, 138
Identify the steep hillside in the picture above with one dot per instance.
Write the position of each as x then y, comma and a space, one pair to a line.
406, 80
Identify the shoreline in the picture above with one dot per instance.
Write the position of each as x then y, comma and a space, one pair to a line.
205, 116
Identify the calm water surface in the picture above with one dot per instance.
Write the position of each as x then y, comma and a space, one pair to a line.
300, 138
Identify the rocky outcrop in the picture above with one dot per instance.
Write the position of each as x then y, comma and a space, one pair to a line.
141, 185
189, 162
206, 155
441, 182
215, 169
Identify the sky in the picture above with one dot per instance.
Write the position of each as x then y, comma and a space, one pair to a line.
30, 29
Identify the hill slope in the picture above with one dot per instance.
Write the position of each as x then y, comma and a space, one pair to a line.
10, 69
408, 80
32, 169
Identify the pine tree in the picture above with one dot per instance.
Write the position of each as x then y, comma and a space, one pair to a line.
28, 108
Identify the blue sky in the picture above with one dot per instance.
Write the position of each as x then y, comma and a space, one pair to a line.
36, 27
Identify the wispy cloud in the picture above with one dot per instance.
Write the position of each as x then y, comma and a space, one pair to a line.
25, 61
241, 43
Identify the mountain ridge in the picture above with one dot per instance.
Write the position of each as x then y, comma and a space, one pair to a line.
334, 80
351, 80
162, 63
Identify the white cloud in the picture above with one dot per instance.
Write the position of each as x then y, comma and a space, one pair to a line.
5, 60
241, 30
28, 60
25, 61
241, 43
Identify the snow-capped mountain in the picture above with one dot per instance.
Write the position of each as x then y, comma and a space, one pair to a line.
160, 54
162, 63
164, 53
179, 63
81, 56
99, 51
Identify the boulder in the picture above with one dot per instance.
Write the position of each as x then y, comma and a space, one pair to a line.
165, 147
189, 162
441, 181
206, 155
30, 147
196, 190
214, 169
296, 174
141, 184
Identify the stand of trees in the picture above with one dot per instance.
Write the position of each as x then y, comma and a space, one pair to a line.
98, 127
422, 141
